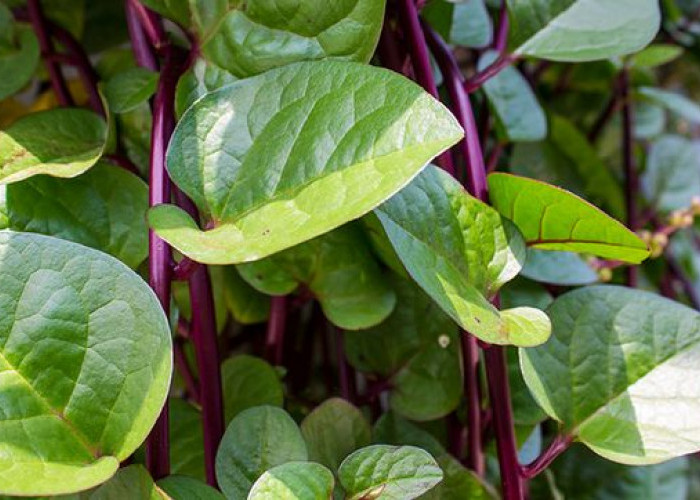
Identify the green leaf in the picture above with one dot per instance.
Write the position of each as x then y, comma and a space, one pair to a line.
551, 218
265, 34
266, 189
61, 142
333, 430
130, 482
459, 483
294, 481
18, 63
186, 439
393, 429
649, 120
674, 102
256, 440
126, 90
670, 179
582, 30
619, 373
246, 304
515, 104
187, 488
462, 22
338, 268
103, 208
417, 349
201, 78
85, 364
201, 15
248, 382
383, 472
656, 55
558, 268
4, 219
460, 251
526, 411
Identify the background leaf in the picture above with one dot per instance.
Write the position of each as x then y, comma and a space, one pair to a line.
294, 481
248, 382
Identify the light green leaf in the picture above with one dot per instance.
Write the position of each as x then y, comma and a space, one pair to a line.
656, 55
649, 120
245, 303
104, 208
558, 268
187, 488
670, 179
130, 482
333, 430
551, 218
85, 364
126, 90
18, 63
186, 439
460, 251
462, 22
248, 382
582, 30
338, 268
294, 481
674, 102
62, 142
256, 440
201, 78
383, 472
459, 483
620, 373
4, 219
266, 189
515, 104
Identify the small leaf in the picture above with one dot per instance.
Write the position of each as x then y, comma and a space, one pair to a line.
186, 439
558, 268
551, 218
582, 30
18, 64
674, 102
187, 488
333, 430
103, 208
620, 373
128, 89
246, 304
465, 22
656, 55
383, 472
267, 190
130, 482
294, 481
248, 382
60, 142
256, 440
459, 483
85, 362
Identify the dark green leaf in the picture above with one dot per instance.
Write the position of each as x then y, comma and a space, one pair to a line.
126, 90
187, 488
248, 382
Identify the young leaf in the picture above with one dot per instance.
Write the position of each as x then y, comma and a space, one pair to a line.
620, 373
187, 488
551, 218
333, 430
582, 30
256, 440
85, 361
656, 55
558, 268
248, 382
383, 472
294, 481
126, 90
18, 64
514, 102
338, 268
130, 482
103, 208
465, 22
62, 142
460, 251
674, 102
356, 142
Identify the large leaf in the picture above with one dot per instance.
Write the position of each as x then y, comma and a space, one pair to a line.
85, 364
333, 430
103, 208
355, 142
551, 218
582, 30
248, 382
130, 482
461, 251
338, 268
255, 441
61, 142
18, 62
187, 488
621, 373
383, 472
294, 481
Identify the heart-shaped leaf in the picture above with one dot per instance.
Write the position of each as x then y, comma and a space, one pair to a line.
551, 218
187, 488
460, 251
582, 30
19, 61
294, 481
388, 473
333, 430
338, 268
103, 208
620, 373
356, 142
256, 440
127, 90
61, 142
85, 362
248, 382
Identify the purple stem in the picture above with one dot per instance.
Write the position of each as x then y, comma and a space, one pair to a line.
604, 118
476, 81
274, 341
345, 375
184, 269
390, 53
139, 43
183, 366
558, 446
630, 169
501, 40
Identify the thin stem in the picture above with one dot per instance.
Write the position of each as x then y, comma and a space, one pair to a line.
345, 374
501, 40
143, 52
390, 52
58, 82
558, 446
630, 169
494, 157
184, 269
151, 26
677, 272
476, 81
612, 107
274, 341
183, 366
476, 460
